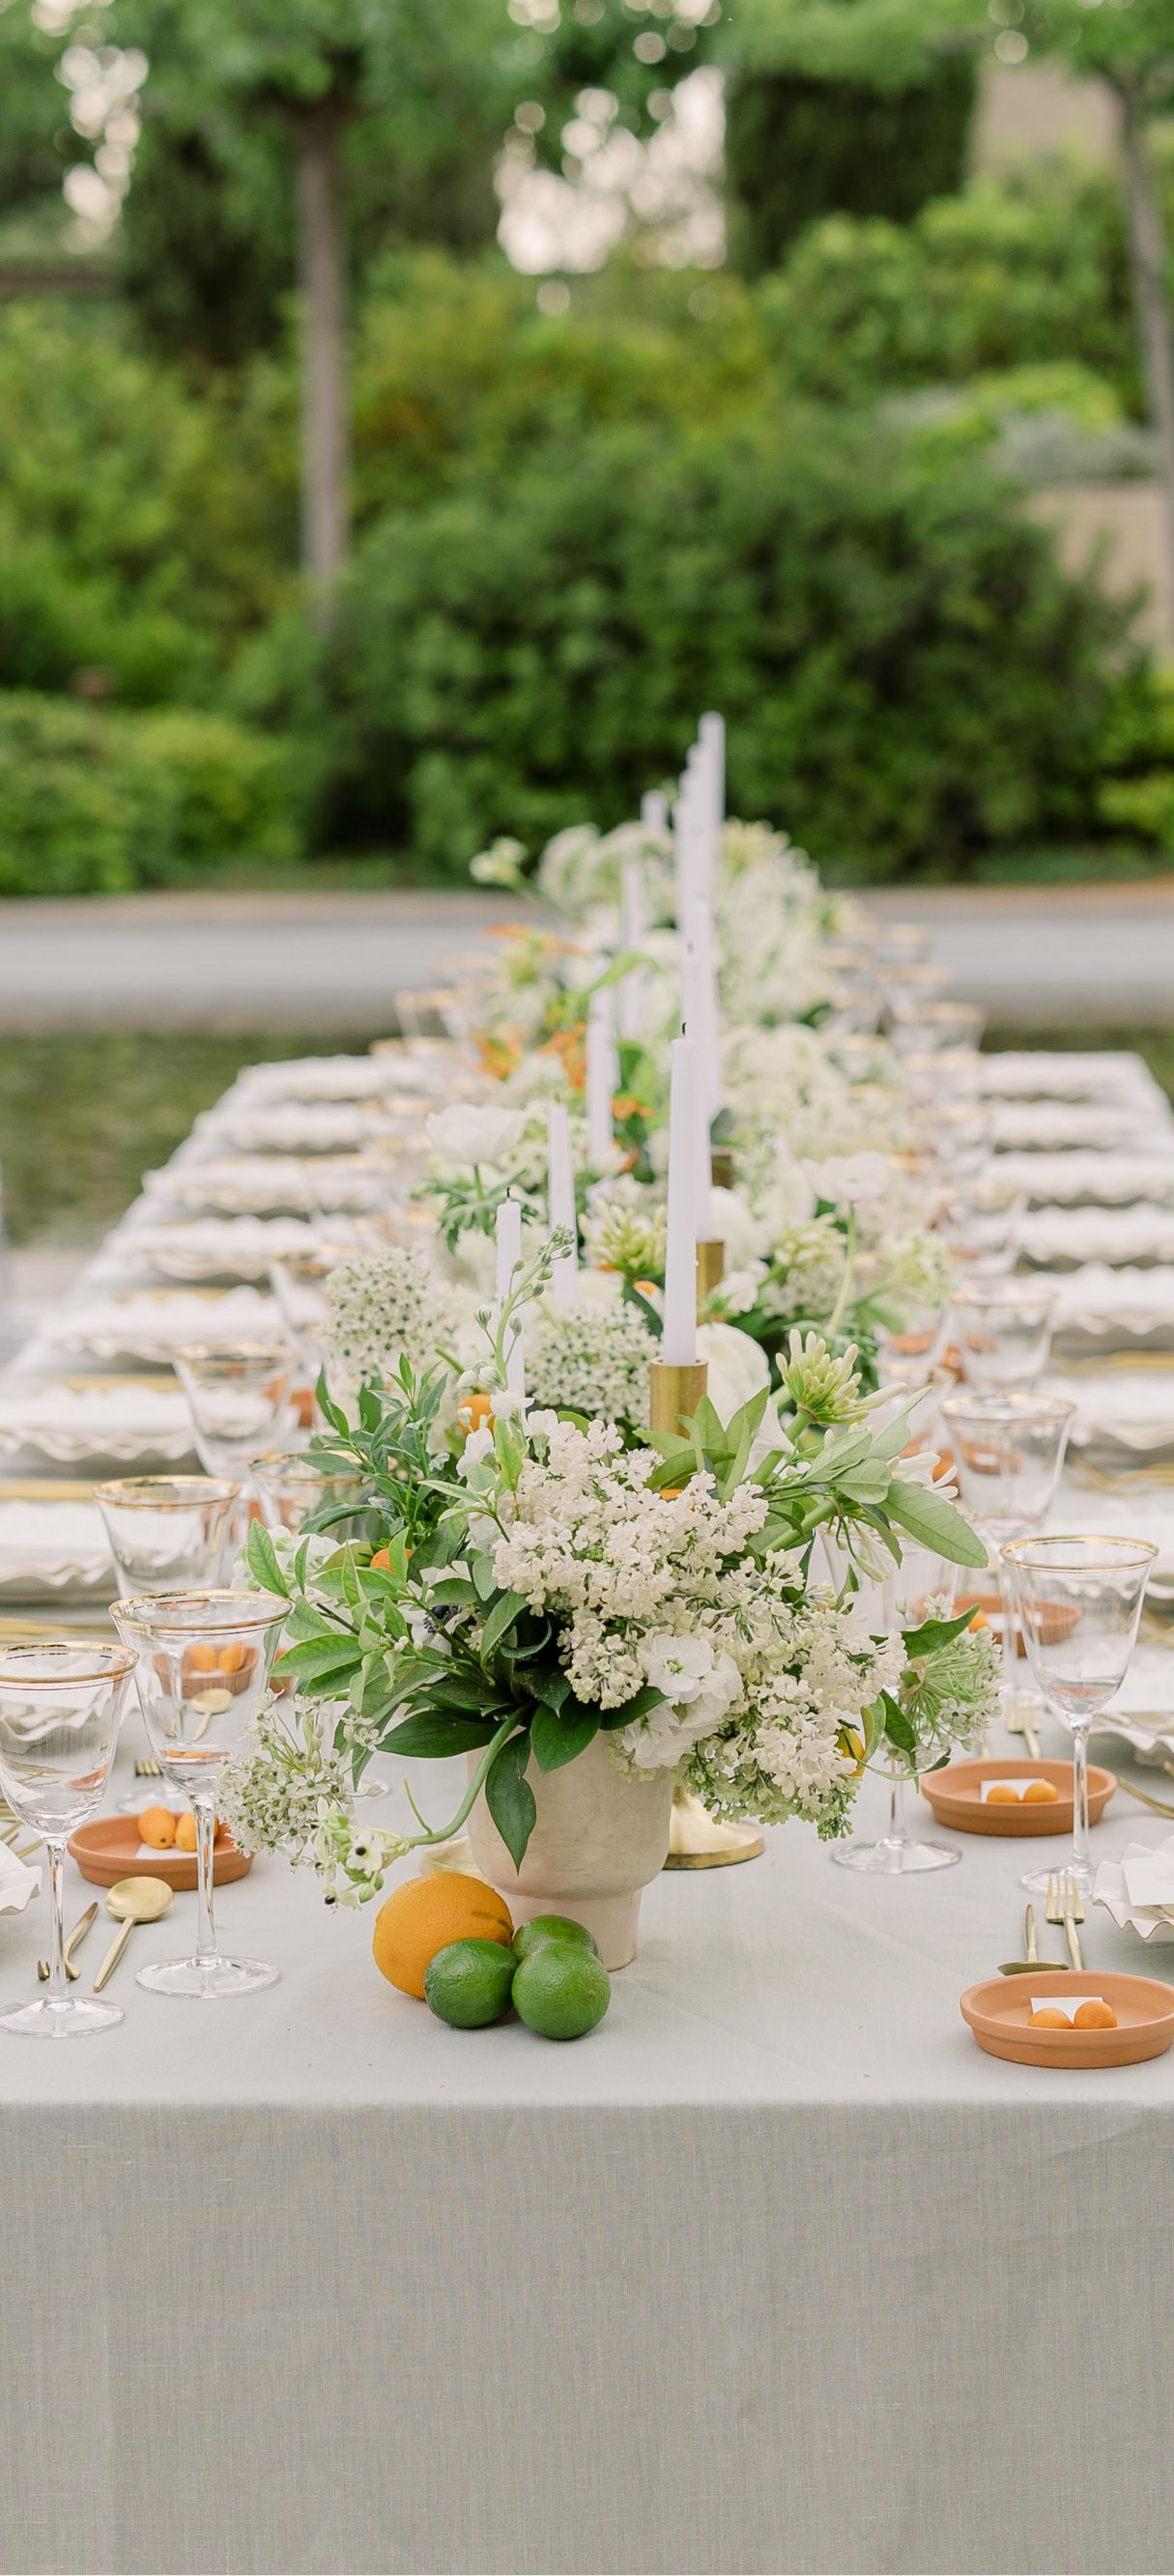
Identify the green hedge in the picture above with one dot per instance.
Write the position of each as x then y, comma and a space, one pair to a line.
95, 803
907, 673
798, 148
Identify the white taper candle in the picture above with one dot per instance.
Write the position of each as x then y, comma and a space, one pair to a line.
633, 930
601, 1078
678, 1348
564, 1282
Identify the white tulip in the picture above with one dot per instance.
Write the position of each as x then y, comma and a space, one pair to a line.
469, 1134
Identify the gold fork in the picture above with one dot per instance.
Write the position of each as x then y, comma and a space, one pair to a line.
148, 1768
1064, 1906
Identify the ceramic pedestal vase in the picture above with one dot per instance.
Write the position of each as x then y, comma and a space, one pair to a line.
599, 1838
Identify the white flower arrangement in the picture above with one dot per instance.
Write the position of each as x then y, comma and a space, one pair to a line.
590, 1358
384, 1306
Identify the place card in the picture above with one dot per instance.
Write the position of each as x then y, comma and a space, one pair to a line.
1150, 1881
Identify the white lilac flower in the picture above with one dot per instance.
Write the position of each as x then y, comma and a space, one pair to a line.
591, 1358
384, 1305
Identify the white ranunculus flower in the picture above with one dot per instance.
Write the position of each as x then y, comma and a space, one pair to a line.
850, 1180
678, 1666
468, 1134
744, 1235
737, 1366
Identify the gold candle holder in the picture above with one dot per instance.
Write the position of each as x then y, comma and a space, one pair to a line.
721, 1166
711, 1267
674, 1393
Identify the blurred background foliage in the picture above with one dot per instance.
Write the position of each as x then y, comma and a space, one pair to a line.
791, 485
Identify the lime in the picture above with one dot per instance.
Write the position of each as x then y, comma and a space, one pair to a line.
561, 1990
468, 1983
552, 1927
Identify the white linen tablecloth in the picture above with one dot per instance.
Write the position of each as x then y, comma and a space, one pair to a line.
774, 2272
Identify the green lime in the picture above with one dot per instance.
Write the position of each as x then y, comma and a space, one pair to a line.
469, 1983
561, 1990
553, 1927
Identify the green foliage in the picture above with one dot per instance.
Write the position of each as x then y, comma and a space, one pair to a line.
1019, 271
93, 803
142, 530
907, 673
799, 149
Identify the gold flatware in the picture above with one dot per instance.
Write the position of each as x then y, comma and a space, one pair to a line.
1023, 1967
20, 1851
1159, 1806
148, 1768
1064, 1907
44, 1489
1017, 1722
77, 1936
131, 1901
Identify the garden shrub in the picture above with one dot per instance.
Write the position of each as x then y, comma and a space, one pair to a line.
93, 802
907, 673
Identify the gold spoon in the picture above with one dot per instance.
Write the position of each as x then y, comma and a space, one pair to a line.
77, 1936
131, 1901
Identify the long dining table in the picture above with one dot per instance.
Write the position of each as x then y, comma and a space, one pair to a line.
776, 2272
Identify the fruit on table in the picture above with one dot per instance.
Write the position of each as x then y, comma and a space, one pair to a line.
1040, 1793
469, 1984
1003, 1796
429, 1914
157, 1826
552, 1927
1094, 2015
185, 1833
1047, 2018
561, 1990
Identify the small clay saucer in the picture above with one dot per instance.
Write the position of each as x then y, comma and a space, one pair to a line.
955, 1794
107, 1849
998, 2014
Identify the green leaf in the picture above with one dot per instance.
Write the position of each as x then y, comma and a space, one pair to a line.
433, 1736
262, 1561
935, 1523
935, 1632
558, 1738
899, 1728
483, 1576
641, 1706
509, 1797
501, 1618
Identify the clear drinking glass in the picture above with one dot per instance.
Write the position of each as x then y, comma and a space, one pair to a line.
982, 1226
1079, 1602
60, 1711
930, 1027
1003, 1329
167, 1534
1008, 1451
202, 1673
924, 1580
298, 1281
291, 1485
239, 1397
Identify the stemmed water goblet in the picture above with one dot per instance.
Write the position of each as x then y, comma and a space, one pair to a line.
1008, 1451
203, 1661
924, 1584
292, 1486
1003, 1330
60, 1712
1079, 1601
166, 1534
981, 1226
239, 1398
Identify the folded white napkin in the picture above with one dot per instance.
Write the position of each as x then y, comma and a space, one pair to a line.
1149, 1880
1039, 1073
256, 1185
294, 1127
142, 1324
52, 1543
65, 1422
216, 1247
1063, 1124
1110, 1890
1108, 1179
17, 1881
349, 1077
1117, 1235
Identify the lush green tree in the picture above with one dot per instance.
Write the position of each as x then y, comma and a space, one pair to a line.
799, 148
907, 673
317, 69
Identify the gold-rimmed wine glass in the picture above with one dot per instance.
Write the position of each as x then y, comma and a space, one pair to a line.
239, 1395
60, 1711
202, 1667
1079, 1601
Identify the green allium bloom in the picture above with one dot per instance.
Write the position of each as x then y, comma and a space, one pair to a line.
820, 1384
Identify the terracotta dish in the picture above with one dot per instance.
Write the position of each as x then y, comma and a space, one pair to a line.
998, 2010
955, 1795
107, 1849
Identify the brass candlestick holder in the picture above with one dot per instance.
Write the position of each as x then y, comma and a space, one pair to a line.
696, 1839
711, 1267
674, 1393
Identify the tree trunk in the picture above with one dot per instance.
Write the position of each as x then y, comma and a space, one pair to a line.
325, 402
1148, 259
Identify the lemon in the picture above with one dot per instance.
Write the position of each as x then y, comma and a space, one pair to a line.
561, 1990
552, 1927
468, 1984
